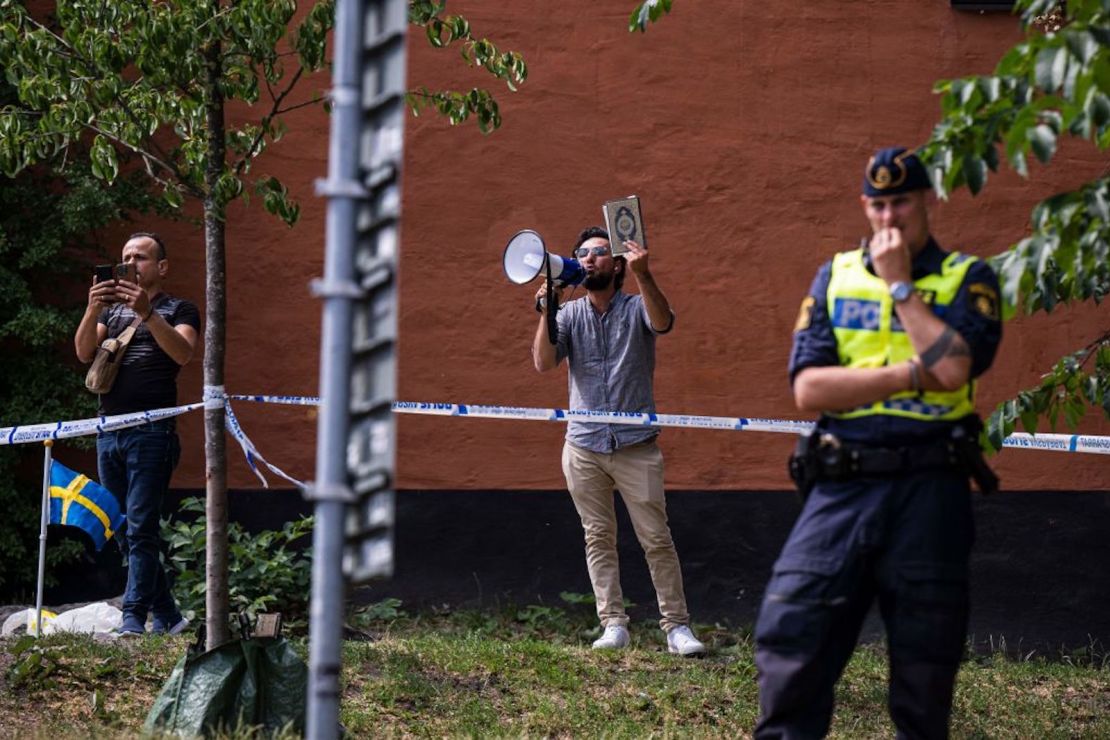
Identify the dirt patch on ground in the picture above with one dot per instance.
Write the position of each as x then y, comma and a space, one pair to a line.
69, 682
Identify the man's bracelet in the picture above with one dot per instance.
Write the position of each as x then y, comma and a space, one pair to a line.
915, 377
149, 314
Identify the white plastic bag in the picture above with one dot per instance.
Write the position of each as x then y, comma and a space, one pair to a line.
99, 617
26, 618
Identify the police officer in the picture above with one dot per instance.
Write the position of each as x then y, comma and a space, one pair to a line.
887, 347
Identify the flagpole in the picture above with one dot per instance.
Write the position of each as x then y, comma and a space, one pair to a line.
43, 521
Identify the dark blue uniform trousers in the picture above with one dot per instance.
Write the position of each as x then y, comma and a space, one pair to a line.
904, 540
135, 464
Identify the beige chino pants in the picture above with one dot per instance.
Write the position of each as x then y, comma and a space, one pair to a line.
637, 472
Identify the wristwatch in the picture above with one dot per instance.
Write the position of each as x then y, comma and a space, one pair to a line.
901, 291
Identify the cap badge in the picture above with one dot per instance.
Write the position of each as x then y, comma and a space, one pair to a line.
882, 179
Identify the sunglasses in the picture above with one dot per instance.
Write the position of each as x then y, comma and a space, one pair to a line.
583, 252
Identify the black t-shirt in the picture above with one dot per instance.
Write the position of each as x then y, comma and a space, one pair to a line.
147, 375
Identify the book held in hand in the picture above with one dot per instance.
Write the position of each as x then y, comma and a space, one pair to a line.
624, 223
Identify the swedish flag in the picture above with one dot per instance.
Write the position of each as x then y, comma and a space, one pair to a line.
76, 501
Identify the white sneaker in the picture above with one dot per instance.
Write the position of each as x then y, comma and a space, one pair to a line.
681, 641
615, 637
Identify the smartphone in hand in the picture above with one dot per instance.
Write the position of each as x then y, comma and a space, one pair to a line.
105, 273
126, 271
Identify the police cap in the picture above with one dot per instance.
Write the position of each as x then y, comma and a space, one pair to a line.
894, 170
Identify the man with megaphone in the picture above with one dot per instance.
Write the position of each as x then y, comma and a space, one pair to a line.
608, 340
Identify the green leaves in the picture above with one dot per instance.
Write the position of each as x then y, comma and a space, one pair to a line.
173, 196
975, 173
311, 36
1048, 85
1043, 141
442, 32
33, 664
1066, 258
266, 570
457, 107
128, 77
1054, 83
648, 11
1067, 390
275, 198
1050, 66
422, 12
103, 159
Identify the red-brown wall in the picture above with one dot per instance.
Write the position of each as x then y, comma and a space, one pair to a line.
743, 126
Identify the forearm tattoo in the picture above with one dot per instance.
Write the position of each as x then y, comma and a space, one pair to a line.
948, 344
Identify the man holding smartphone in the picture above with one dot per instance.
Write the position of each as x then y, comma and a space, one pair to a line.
135, 464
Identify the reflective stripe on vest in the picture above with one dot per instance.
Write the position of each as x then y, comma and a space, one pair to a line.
869, 334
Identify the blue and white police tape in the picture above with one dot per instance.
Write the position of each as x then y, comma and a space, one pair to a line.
286, 400
633, 418
81, 427
250, 451
1088, 443
1093, 444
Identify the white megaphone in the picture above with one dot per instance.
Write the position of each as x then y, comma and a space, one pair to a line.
526, 256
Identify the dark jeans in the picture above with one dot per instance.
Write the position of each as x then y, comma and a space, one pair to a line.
135, 465
904, 541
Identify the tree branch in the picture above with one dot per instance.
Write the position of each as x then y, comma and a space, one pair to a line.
269, 87
1090, 349
305, 104
274, 110
147, 157
51, 32
152, 176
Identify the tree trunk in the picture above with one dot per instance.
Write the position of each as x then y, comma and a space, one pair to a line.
215, 442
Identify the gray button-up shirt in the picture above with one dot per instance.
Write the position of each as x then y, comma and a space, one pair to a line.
611, 360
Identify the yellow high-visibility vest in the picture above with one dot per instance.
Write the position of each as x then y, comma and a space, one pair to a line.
868, 333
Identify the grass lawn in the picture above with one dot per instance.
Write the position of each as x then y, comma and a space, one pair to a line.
530, 672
